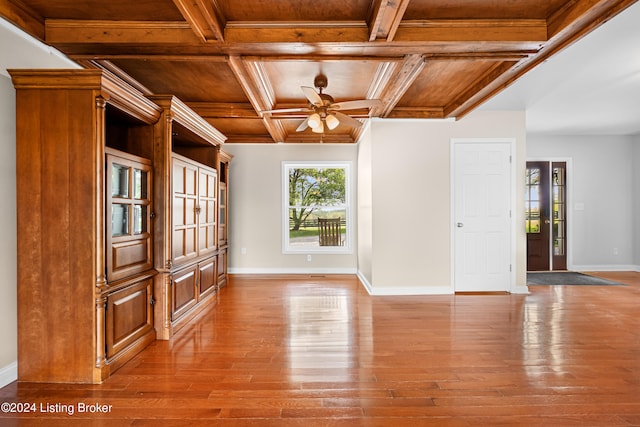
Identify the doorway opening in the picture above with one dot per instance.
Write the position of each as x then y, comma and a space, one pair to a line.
546, 215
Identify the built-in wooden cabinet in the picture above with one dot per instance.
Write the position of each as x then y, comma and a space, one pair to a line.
187, 253
84, 184
119, 233
223, 220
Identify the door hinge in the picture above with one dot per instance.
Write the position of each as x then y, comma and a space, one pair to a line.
152, 301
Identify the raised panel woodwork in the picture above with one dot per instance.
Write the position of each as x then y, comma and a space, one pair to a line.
195, 196
207, 276
183, 291
222, 267
185, 216
130, 254
207, 210
129, 316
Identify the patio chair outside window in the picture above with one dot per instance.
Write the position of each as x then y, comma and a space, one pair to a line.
329, 232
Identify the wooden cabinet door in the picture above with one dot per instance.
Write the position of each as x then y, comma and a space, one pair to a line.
128, 222
207, 210
185, 216
208, 276
129, 316
183, 291
222, 267
222, 220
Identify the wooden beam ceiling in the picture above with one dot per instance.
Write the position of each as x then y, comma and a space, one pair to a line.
266, 51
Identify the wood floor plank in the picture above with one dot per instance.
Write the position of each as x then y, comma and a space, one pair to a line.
295, 351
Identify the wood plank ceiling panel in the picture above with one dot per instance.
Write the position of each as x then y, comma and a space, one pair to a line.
431, 89
482, 9
294, 10
192, 80
111, 10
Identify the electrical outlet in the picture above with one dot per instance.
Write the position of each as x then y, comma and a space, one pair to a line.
309, 258
243, 251
615, 251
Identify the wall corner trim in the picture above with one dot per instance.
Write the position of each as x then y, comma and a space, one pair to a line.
8, 374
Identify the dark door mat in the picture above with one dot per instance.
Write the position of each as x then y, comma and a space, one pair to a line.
567, 278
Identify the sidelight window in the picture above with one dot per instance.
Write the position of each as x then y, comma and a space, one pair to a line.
532, 200
559, 209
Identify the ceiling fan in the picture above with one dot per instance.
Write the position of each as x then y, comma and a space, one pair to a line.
324, 110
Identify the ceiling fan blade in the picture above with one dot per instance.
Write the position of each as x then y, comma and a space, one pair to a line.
353, 105
311, 95
287, 110
346, 120
303, 126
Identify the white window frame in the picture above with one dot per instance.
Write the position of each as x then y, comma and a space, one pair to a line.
347, 247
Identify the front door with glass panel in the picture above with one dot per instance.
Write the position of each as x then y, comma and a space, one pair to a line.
545, 199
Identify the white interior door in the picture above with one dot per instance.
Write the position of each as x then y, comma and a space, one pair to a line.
482, 218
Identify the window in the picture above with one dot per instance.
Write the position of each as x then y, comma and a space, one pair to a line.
316, 207
532, 200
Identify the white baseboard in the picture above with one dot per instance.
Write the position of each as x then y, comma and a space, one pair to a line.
604, 267
364, 281
276, 271
8, 374
412, 290
404, 291
378, 291
520, 290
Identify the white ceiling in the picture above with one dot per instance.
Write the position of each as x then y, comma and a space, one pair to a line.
590, 88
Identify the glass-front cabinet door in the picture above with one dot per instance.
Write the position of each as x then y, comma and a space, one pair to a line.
129, 238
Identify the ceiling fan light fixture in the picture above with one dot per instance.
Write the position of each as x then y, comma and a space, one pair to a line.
314, 121
318, 129
332, 121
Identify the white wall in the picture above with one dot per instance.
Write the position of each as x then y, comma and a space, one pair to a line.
8, 259
636, 201
411, 220
17, 50
365, 208
601, 196
403, 172
255, 209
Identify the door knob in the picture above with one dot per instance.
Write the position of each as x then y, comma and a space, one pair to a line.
459, 225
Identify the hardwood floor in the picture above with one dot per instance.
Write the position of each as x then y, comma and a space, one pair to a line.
321, 352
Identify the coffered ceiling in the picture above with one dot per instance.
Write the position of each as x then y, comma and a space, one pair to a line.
233, 60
